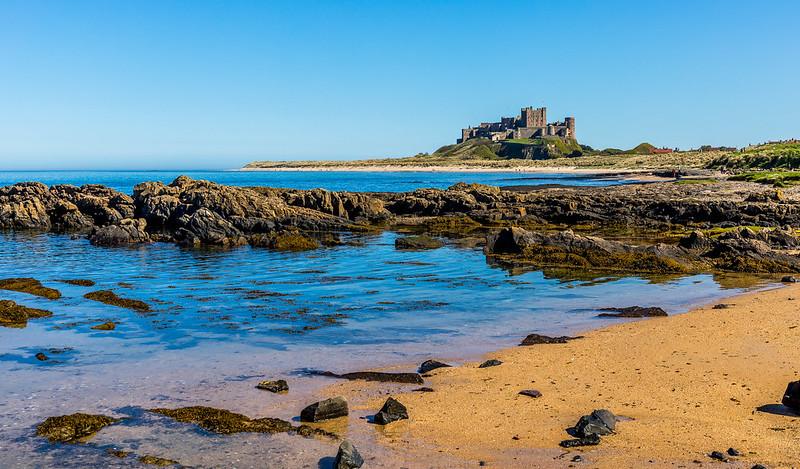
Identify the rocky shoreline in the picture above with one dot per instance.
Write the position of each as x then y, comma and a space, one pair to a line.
665, 227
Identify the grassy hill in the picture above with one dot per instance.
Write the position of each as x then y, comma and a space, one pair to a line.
773, 155
522, 148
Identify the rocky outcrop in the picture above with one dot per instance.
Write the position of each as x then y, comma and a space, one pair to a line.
632, 312
16, 315
350, 205
332, 408
791, 397
127, 231
379, 376
30, 286
72, 428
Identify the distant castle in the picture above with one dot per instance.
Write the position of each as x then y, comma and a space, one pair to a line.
531, 123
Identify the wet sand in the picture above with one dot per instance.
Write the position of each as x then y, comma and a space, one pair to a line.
685, 385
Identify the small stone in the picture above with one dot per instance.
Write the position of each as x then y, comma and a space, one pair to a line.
577, 458
106, 326
599, 422
348, 457
791, 397
328, 409
789, 279
274, 386
430, 365
391, 411
42, 357
733, 452
536, 339
489, 363
590, 440
722, 306
530, 393
718, 456
423, 389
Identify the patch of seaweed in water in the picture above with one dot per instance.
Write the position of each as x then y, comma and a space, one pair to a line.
110, 298
79, 282
15, 315
30, 286
72, 428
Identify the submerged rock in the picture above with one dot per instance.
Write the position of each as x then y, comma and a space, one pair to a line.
348, 457
106, 326
391, 411
274, 386
73, 427
406, 378
791, 397
490, 363
224, 421
16, 315
417, 242
290, 241
30, 286
599, 422
536, 339
430, 365
633, 312
332, 408
42, 357
157, 461
79, 282
110, 298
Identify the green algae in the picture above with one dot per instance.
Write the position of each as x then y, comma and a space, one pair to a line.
72, 428
224, 421
157, 461
30, 286
110, 298
15, 315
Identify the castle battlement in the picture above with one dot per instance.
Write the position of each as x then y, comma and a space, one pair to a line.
531, 123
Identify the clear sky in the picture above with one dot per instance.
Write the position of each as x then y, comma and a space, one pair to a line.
167, 84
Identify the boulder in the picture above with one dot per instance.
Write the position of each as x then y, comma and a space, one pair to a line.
599, 422
127, 231
489, 363
73, 427
430, 365
791, 397
324, 410
274, 386
347, 457
391, 411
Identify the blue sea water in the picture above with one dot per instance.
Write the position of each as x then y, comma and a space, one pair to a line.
222, 320
332, 180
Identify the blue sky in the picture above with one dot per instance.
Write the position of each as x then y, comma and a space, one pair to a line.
214, 84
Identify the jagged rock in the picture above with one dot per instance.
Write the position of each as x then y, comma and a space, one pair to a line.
348, 457
73, 427
599, 422
633, 312
110, 298
430, 365
536, 339
489, 363
391, 411
324, 410
274, 386
30, 286
224, 421
127, 231
791, 397
207, 227
417, 243
15, 315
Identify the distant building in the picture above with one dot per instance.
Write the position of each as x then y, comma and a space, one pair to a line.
531, 123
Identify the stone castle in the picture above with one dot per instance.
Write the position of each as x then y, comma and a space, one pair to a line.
531, 123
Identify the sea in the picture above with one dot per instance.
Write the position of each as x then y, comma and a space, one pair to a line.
223, 320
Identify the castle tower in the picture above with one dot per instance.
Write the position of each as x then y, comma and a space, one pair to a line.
570, 122
530, 117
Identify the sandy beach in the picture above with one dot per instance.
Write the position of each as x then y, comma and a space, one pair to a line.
683, 386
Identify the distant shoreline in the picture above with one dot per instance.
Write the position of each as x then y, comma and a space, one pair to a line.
453, 169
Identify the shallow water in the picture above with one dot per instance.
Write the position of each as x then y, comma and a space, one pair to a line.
332, 180
223, 320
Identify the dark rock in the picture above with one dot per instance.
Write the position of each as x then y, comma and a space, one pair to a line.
423, 389
599, 422
417, 242
577, 458
789, 279
324, 410
759, 466
530, 393
127, 231
536, 339
274, 386
15, 315
430, 365
733, 452
224, 421
348, 457
489, 363
718, 455
590, 440
791, 397
110, 298
79, 282
73, 427
633, 312
391, 411
30, 286
106, 326
407, 378
722, 306
42, 357
289, 241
